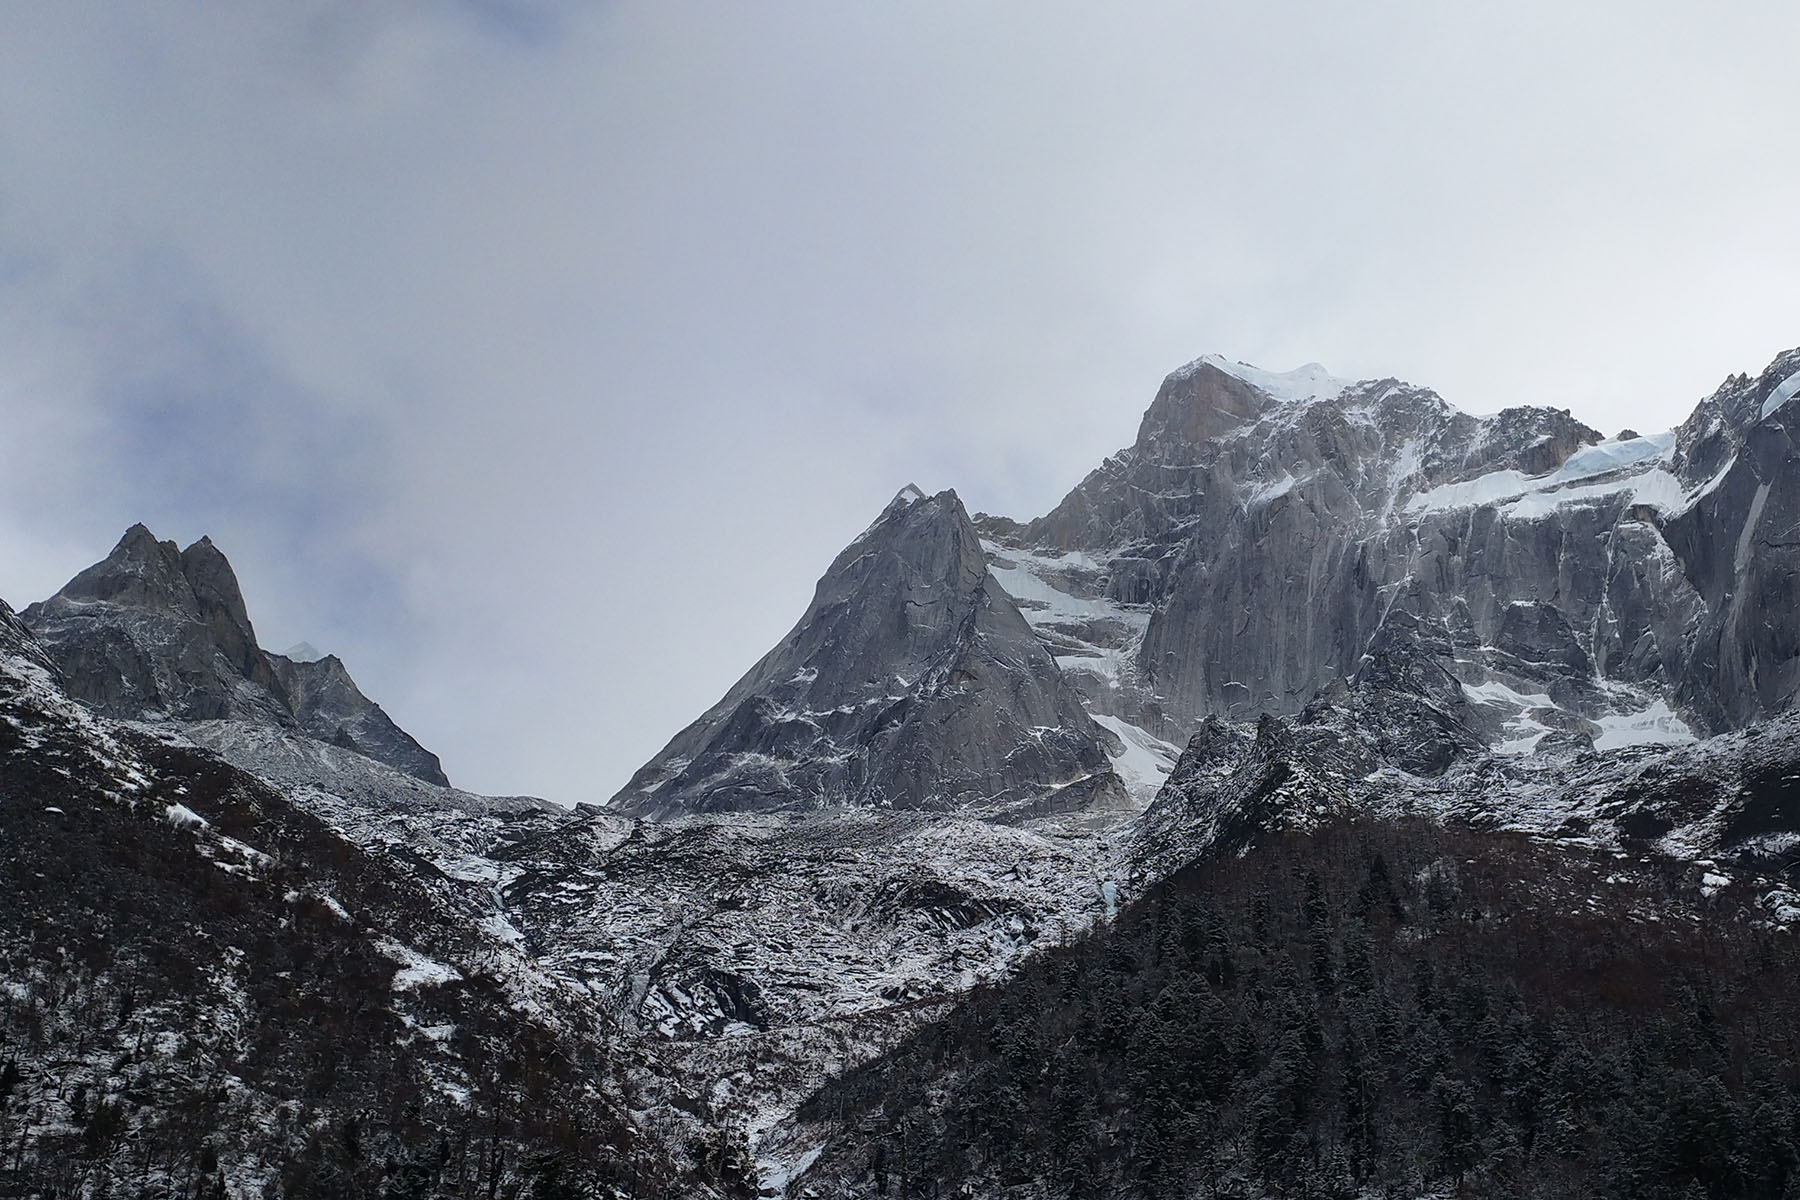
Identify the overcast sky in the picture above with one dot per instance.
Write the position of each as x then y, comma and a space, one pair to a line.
536, 357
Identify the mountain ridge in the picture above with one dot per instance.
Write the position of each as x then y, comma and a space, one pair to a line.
971, 749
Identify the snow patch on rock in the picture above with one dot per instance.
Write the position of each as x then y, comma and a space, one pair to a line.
1145, 762
1534, 496
1310, 382
416, 970
1657, 725
1784, 391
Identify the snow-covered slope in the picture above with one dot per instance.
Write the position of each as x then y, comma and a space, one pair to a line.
207, 991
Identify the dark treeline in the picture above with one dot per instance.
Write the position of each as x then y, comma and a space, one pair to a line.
1369, 1009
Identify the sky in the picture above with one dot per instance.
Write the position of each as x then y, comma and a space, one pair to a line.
536, 357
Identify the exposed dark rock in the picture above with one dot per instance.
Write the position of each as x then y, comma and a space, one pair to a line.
1740, 545
330, 707
1204, 810
17, 640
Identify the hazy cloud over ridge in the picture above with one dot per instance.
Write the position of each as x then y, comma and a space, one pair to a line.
536, 357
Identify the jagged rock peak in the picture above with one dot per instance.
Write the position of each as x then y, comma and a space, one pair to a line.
141, 572
910, 682
153, 632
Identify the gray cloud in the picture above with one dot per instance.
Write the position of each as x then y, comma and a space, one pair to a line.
537, 357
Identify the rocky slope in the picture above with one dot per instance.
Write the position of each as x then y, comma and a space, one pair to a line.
153, 632
746, 956
209, 992
1730, 802
911, 683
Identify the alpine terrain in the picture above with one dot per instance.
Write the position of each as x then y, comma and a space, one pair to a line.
1336, 794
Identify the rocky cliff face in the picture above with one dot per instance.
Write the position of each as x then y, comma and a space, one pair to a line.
912, 682
1268, 537
1737, 540
157, 633
154, 631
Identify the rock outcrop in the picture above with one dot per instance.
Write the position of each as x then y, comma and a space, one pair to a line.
912, 682
329, 706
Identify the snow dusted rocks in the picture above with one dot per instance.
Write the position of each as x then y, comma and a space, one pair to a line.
233, 954
911, 683
157, 633
1269, 537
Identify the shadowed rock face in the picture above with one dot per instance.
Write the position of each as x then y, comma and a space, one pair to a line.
157, 633
912, 682
16, 640
1267, 543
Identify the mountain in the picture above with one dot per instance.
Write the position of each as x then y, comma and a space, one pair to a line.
1105, 851
1267, 534
156, 633
910, 683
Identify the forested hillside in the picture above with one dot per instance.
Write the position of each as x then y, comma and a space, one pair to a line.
208, 993
1371, 1008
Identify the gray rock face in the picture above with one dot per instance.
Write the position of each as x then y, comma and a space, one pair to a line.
157, 633
1739, 542
912, 682
1270, 541
329, 706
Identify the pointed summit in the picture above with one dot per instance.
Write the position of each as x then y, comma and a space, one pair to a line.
912, 682
141, 572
